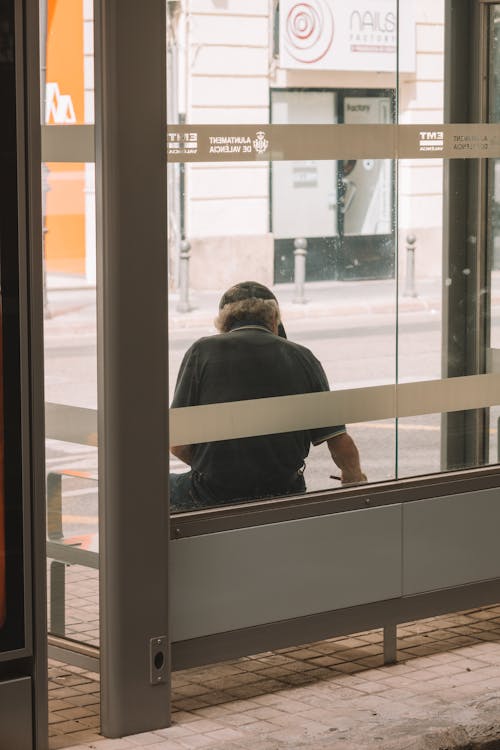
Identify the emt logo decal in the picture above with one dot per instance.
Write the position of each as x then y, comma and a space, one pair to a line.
431, 140
182, 143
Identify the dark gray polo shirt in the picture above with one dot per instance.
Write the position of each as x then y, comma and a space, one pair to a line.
249, 362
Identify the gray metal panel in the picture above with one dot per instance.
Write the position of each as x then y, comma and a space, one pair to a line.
247, 577
255, 640
16, 719
451, 541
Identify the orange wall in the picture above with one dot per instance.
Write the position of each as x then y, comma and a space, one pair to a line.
65, 205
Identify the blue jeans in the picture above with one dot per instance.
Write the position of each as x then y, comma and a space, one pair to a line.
183, 497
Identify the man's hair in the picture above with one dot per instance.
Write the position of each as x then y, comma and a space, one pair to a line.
251, 292
250, 311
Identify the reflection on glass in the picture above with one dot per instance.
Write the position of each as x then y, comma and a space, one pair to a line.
494, 176
68, 204
344, 209
421, 86
71, 381
419, 445
67, 61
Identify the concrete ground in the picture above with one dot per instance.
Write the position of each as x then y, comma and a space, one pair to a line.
443, 694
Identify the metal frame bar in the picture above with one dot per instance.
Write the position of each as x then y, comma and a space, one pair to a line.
23, 318
232, 645
245, 515
132, 359
255, 640
458, 78
34, 363
71, 652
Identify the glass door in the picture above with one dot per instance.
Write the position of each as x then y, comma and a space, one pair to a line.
366, 197
304, 201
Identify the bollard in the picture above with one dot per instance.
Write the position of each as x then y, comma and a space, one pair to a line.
410, 290
183, 305
299, 271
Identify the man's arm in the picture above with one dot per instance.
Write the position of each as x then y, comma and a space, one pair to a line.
184, 452
345, 454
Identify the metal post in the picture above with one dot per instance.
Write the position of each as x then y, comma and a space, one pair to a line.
299, 254
183, 305
131, 198
390, 644
410, 290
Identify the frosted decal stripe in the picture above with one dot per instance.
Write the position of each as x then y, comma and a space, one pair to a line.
68, 143
235, 419
206, 143
72, 424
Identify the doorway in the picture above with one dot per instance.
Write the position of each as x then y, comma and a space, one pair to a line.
344, 209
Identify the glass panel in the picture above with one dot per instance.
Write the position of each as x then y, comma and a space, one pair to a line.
231, 221
70, 325
420, 234
493, 229
322, 234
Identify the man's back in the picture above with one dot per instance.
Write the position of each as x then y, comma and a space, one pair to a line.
248, 362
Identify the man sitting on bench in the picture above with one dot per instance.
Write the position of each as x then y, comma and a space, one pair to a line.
251, 358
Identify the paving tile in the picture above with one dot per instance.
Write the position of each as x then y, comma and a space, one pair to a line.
146, 739
196, 741
296, 693
237, 720
176, 732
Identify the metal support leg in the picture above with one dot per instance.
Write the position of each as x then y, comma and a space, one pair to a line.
57, 598
390, 644
54, 505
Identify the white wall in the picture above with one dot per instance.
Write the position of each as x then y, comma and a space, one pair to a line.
420, 181
227, 60
229, 70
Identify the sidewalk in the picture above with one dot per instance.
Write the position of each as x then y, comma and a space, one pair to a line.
444, 694
71, 303
322, 299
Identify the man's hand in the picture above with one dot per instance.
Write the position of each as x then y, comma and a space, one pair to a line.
345, 454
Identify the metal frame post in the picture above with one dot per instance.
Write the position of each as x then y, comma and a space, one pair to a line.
464, 433
131, 192
23, 667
